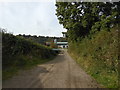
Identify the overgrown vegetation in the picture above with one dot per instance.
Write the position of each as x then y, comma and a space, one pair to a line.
93, 37
19, 53
98, 56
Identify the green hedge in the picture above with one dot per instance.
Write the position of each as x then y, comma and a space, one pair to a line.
18, 53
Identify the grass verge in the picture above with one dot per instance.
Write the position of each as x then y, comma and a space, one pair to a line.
26, 63
98, 56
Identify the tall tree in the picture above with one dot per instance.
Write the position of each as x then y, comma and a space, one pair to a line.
79, 18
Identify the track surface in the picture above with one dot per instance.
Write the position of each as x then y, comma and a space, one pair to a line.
62, 72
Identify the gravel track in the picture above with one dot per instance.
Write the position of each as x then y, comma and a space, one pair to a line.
62, 72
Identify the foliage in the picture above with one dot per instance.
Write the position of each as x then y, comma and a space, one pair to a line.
92, 41
18, 53
98, 55
82, 18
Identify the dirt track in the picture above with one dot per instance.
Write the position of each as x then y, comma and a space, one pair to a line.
63, 72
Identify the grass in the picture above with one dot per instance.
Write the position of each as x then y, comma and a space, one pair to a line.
98, 56
19, 53
104, 76
26, 63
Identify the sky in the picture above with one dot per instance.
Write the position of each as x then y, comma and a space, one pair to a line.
34, 18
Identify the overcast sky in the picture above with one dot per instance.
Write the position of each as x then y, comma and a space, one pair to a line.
34, 18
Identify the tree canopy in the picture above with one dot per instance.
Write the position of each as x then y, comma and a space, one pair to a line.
83, 18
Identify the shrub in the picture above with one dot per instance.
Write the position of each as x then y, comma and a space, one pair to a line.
98, 55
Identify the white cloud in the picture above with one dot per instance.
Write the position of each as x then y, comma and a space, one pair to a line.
35, 18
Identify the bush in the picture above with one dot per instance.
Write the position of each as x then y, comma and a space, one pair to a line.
98, 55
18, 52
